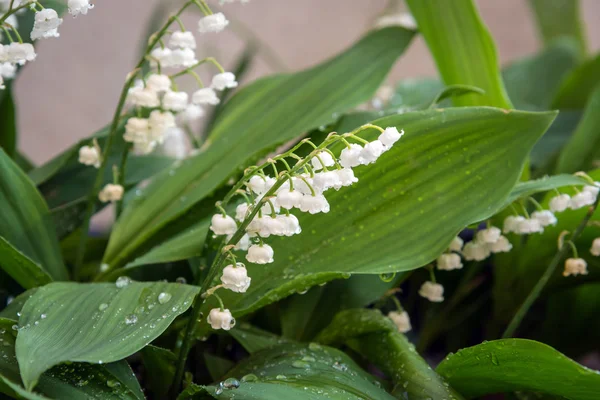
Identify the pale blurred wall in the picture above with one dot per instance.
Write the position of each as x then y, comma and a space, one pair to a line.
72, 88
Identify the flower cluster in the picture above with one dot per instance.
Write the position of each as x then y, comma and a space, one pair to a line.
269, 202
45, 25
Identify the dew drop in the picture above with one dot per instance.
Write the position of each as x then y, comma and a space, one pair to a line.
113, 383
122, 281
249, 378
43, 316
231, 383
131, 319
301, 365
102, 306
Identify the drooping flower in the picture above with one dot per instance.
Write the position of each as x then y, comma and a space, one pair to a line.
220, 319
582, 199
476, 251
502, 245
325, 157
46, 24
161, 56
260, 184
159, 83
350, 156
205, 96
137, 130
175, 144
593, 189
241, 211
595, 249
314, 204
489, 235
432, 291
260, 254
235, 278
18, 53
401, 320
575, 266
545, 217
225, 80
8, 70
88, 155
143, 97
390, 136
289, 199
77, 7
191, 113
371, 152
182, 40
212, 23
449, 261
323, 181
175, 101
346, 177
529, 225
511, 223
456, 244
182, 58
111, 192
560, 203
223, 224
290, 224
160, 123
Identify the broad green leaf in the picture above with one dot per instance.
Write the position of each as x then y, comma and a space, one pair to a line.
584, 146
94, 323
24, 162
21, 268
293, 371
508, 365
533, 81
452, 168
259, 117
455, 91
25, 222
217, 366
529, 188
578, 85
559, 18
254, 339
377, 338
159, 365
463, 49
8, 126
415, 93
77, 382
13, 310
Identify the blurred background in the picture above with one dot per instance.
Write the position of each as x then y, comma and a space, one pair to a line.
72, 88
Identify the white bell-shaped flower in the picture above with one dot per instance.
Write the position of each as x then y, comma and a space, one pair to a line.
290, 224
511, 223
259, 227
593, 189
325, 157
314, 204
260, 254
205, 96
225, 80
456, 244
175, 144
449, 261
220, 319
160, 123
371, 152
182, 40
223, 224
260, 184
8, 70
301, 184
45, 24
161, 56
273, 226
159, 83
529, 225
77, 7
289, 199
235, 278
560, 203
88, 155
241, 211
323, 181
137, 130
350, 157
432, 291
18, 53
502, 245
212, 23
401, 320
575, 266
175, 101
489, 235
346, 176
243, 244
143, 97
390, 136
595, 249
191, 113
476, 251
582, 199
546, 217
2, 83
111, 192
182, 58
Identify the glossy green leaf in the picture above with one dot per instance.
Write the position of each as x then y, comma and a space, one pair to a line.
558, 18
20, 267
259, 117
291, 372
75, 381
533, 81
95, 323
376, 337
217, 366
463, 49
455, 91
12, 310
254, 339
159, 366
8, 126
405, 209
529, 188
578, 85
25, 222
584, 146
508, 365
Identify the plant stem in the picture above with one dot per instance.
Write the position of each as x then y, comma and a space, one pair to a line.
109, 141
539, 286
122, 171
